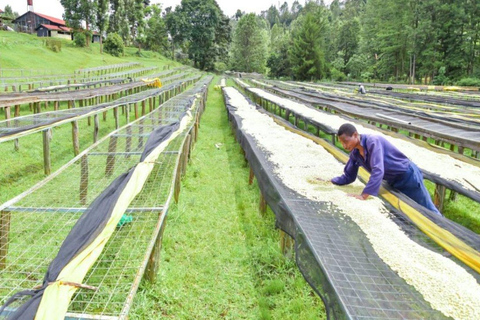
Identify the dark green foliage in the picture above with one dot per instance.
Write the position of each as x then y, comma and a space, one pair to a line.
156, 38
306, 53
469, 82
114, 45
77, 12
79, 39
54, 44
101, 21
201, 29
249, 50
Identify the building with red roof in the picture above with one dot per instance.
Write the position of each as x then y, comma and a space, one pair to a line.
43, 25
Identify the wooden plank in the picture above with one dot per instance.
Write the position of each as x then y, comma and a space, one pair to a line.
84, 180
75, 140
47, 166
4, 236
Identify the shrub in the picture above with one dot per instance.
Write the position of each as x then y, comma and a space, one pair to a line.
114, 45
220, 67
79, 39
54, 45
469, 82
337, 75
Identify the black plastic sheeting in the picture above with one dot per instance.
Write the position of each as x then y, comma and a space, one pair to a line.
333, 253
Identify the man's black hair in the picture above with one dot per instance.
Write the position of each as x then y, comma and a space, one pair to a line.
347, 129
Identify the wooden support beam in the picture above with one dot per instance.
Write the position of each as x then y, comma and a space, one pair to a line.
4, 237
263, 204
251, 176
84, 180
75, 140
154, 259
453, 196
128, 144
127, 113
287, 244
17, 110
112, 149
135, 108
47, 166
116, 116
96, 126
7, 113
144, 111
439, 196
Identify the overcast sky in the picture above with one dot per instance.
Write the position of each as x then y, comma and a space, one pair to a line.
229, 7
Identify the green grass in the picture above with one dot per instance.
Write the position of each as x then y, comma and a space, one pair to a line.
23, 51
220, 256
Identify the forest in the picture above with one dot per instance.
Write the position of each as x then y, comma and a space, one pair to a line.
405, 41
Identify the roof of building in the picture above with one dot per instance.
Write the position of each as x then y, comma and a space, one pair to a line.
56, 28
54, 20
1, 11
51, 19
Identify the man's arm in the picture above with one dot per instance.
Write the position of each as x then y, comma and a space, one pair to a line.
378, 171
349, 174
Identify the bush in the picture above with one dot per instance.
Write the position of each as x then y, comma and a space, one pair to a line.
114, 45
54, 45
469, 82
79, 39
337, 75
220, 67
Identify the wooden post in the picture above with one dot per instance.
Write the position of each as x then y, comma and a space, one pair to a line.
127, 113
251, 176
176, 189
4, 236
7, 113
128, 145
105, 116
84, 180
453, 196
439, 196
263, 203
143, 108
76, 143
17, 110
286, 243
116, 116
140, 134
56, 105
154, 259
112, 149
95, 128
46, 150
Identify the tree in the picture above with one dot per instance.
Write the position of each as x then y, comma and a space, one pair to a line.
156, 30
136, 22
249, 47
78, 11
101, 21
306, 52
202, 29
118, 22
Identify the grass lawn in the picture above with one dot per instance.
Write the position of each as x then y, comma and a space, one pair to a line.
221, 256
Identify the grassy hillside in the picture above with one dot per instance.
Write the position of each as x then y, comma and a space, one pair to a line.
23, 51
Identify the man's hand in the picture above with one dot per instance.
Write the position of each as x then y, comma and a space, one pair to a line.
362, 196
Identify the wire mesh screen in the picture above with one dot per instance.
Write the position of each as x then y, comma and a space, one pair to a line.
40, 221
